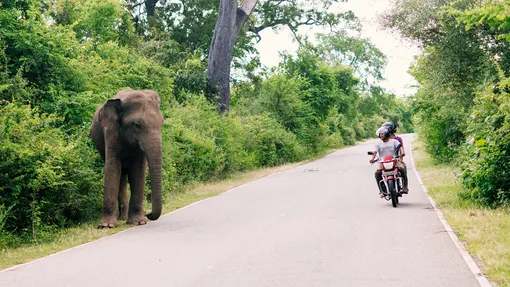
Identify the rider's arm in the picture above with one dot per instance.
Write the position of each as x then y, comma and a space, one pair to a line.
372, 160
402, 152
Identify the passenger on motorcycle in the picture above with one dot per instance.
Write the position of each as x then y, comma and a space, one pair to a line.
392, 128
388, 146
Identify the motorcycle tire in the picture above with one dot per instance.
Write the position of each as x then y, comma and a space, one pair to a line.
393, 192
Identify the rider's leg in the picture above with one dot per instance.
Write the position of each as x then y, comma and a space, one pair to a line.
378, 177
403, 171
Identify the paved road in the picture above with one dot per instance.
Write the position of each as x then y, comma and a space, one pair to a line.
319, 224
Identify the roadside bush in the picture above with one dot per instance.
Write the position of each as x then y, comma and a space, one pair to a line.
189, 156
48, 179
34, 60
485, 158
359, 130
270, 142
190, 79
331, 138
5, 237
110, 67
280, 97
320, 83
372, 123
199, 144
346, 132
441, 125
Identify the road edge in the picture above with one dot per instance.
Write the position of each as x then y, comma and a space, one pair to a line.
473, 267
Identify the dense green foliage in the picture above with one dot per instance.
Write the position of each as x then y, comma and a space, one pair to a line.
462, 105
59, 60
48, 179
486, 155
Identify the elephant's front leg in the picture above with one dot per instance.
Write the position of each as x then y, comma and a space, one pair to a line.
112, 174
136, 177
123, 197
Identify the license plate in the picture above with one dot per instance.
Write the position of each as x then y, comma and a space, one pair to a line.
393, 172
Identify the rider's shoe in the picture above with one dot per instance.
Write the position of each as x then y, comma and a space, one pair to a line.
405, 190
381, 195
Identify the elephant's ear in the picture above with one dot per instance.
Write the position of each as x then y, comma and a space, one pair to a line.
110, 113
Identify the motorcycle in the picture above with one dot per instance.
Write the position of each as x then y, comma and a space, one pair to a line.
392, 182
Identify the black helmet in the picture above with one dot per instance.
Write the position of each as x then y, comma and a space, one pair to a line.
383, 130
392, 128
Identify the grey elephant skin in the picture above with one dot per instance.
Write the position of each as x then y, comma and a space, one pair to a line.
127, 133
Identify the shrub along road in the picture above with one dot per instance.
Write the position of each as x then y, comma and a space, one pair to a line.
318, 224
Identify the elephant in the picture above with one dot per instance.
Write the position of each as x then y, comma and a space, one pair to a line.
126, 131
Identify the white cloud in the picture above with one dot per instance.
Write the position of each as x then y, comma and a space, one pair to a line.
400, 54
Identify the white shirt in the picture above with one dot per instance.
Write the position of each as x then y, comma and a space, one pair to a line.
387, 148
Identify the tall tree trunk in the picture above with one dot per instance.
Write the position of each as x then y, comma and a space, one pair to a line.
230, 21
150, 6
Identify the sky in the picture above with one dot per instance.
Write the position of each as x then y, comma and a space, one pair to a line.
399, 53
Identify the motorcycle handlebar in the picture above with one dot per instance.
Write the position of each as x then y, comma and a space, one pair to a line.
372, 153
378, 159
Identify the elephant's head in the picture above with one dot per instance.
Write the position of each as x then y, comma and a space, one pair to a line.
138, 118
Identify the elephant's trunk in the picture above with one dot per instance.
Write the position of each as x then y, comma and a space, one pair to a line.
153, 153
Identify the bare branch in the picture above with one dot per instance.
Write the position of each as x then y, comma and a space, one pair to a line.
256, 30
258, 37
294, 31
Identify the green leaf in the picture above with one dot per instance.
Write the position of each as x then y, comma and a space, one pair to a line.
480, 143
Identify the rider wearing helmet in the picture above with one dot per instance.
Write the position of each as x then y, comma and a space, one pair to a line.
388, 146
392, 128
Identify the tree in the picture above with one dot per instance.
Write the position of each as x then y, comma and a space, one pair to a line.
453, 65
486, 152
198, 25
364, 57
417, 20
230, 21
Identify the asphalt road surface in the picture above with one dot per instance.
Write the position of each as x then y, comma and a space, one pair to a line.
318, 224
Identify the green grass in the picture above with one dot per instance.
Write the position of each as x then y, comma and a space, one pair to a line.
484, 232
88, 232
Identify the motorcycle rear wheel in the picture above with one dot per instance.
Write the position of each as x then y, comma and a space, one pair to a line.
393, 192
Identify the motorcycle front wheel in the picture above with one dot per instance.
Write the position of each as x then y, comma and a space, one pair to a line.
393, 193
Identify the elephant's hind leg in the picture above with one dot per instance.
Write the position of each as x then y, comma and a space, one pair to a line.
136, 177
123, 197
